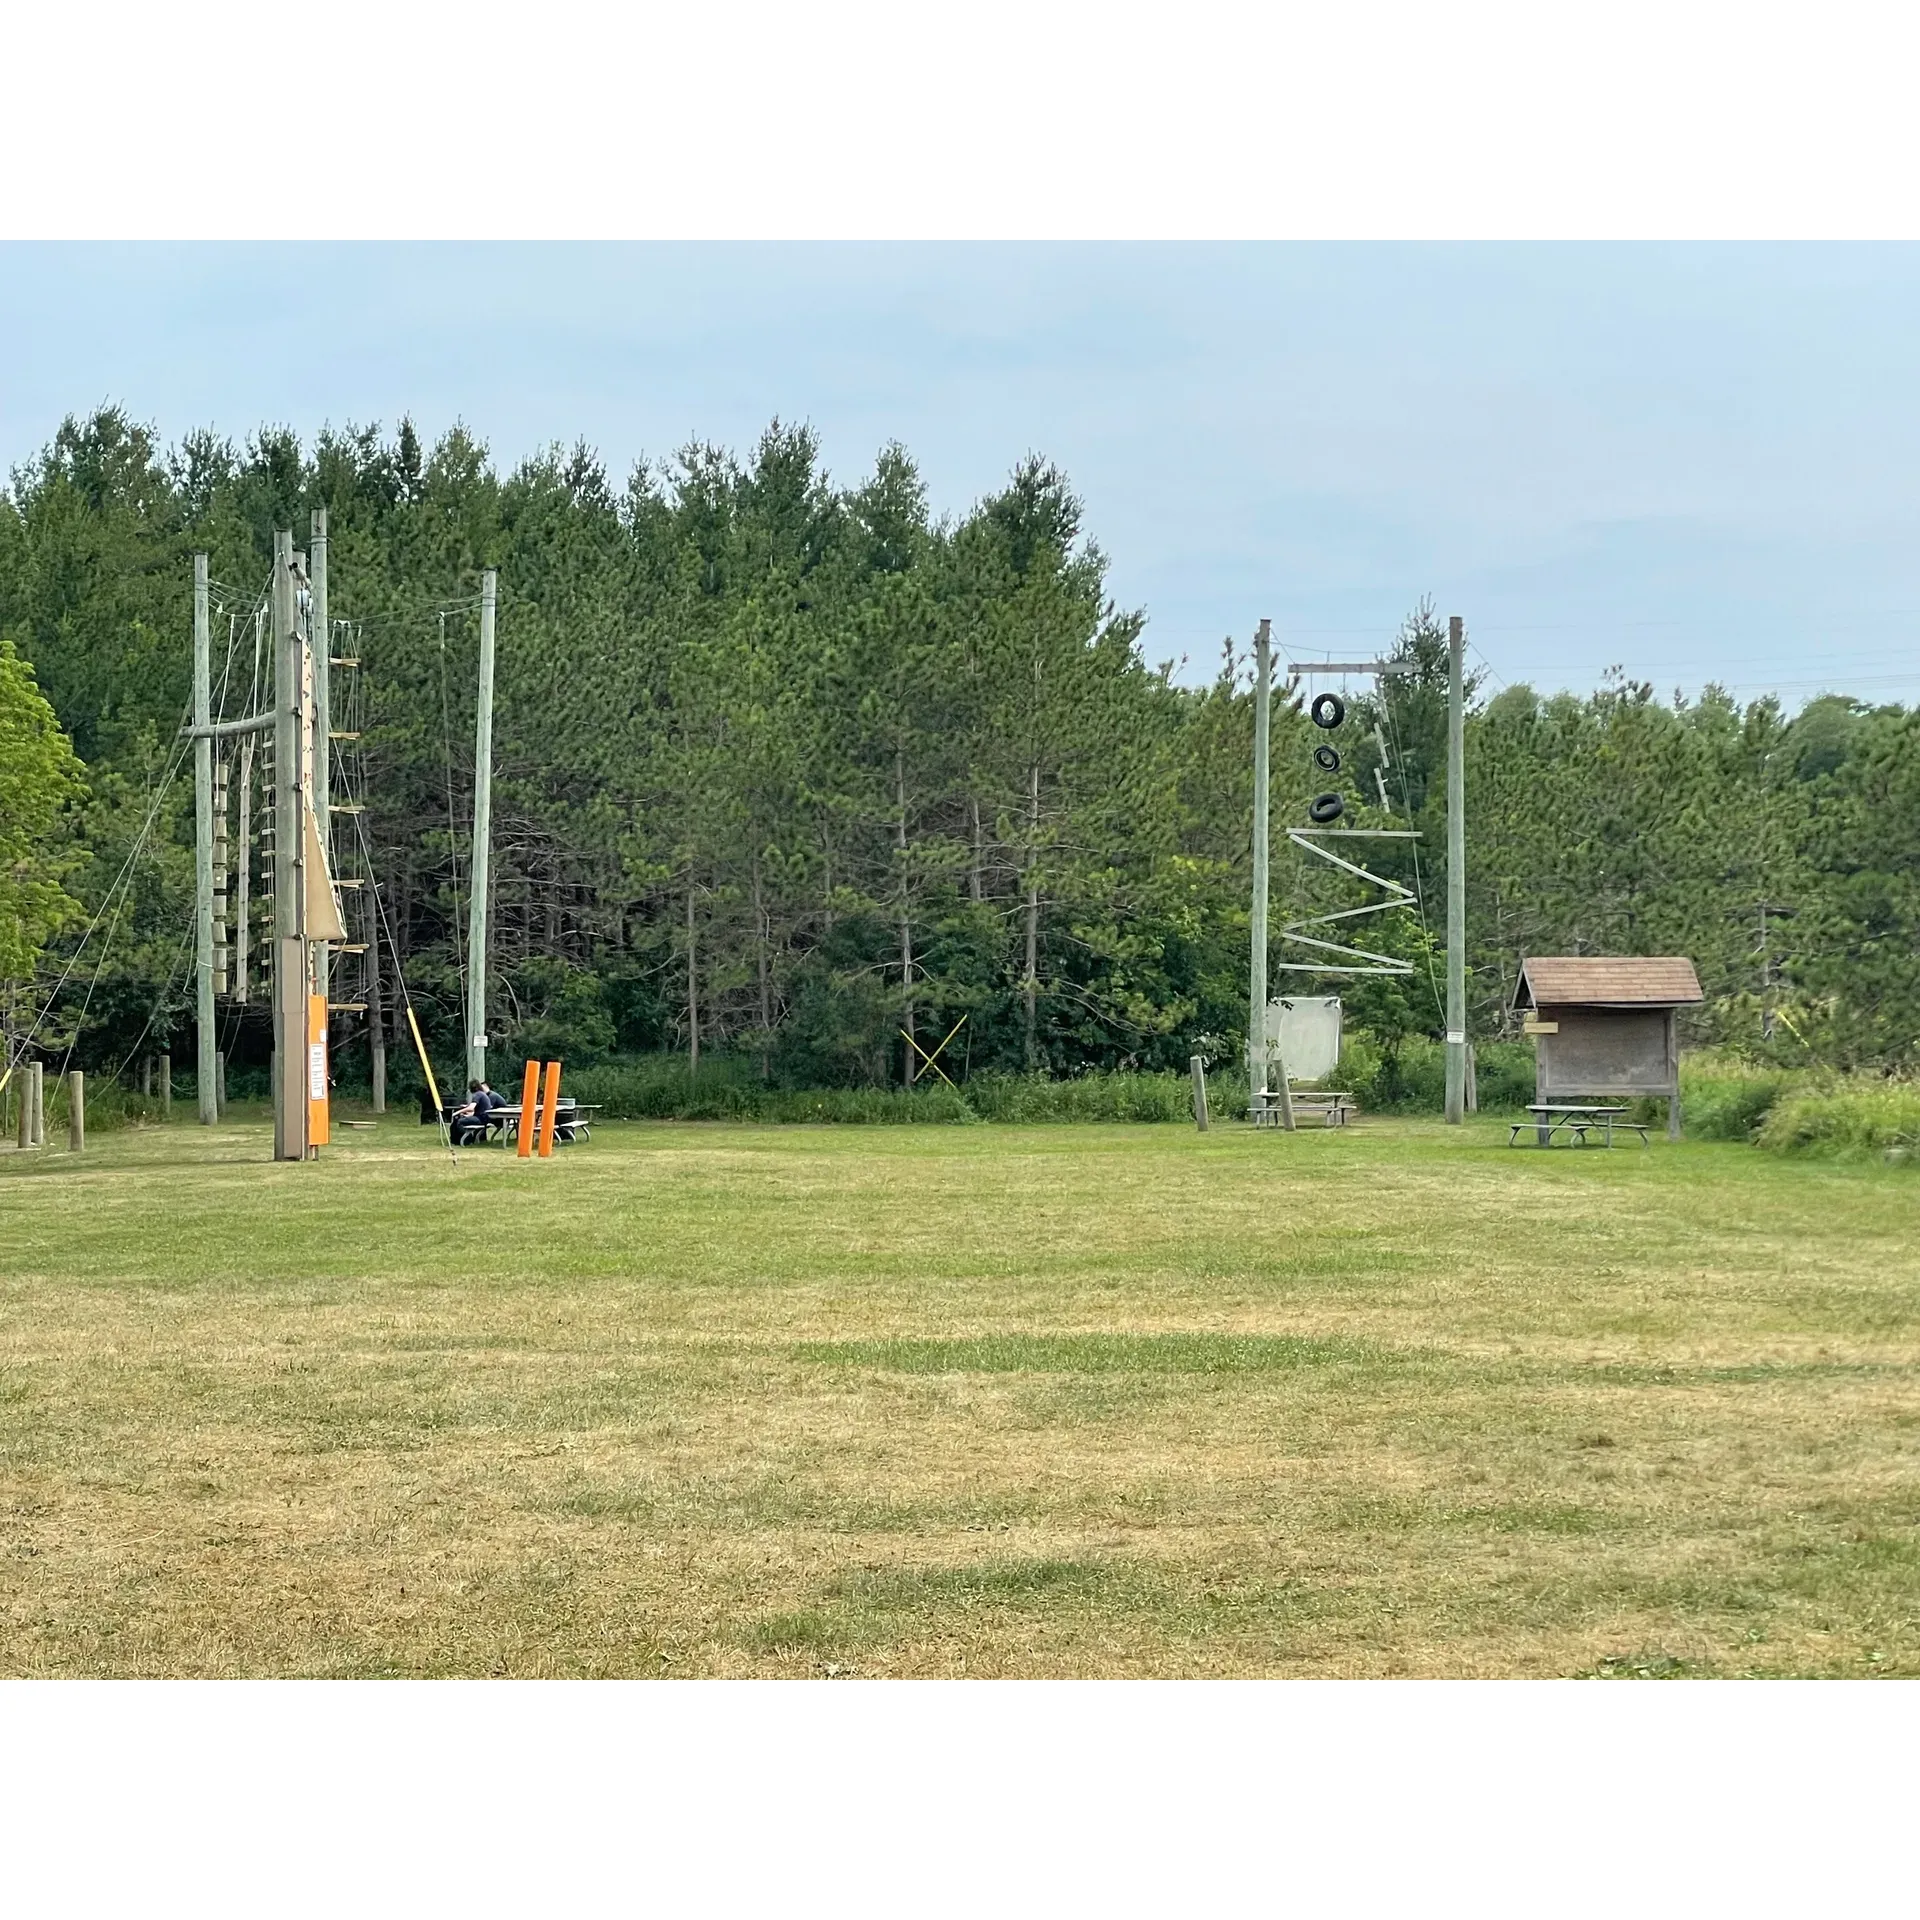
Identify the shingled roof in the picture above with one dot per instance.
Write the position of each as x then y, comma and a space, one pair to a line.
1651, 980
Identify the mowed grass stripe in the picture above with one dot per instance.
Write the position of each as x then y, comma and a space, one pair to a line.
1096, 1353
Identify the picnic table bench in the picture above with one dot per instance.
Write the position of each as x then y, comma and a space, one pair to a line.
1331, 1109
1575, 1123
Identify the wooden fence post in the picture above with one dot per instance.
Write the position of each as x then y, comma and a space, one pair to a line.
76, 1110
166, 1086
1199, 1065
39, 1090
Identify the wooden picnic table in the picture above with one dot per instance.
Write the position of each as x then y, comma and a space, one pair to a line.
1574, 1120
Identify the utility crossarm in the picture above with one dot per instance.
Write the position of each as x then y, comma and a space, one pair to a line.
226, 729
1339, 666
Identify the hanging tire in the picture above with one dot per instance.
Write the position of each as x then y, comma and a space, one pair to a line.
1326, 808
1328, 710
1327, 758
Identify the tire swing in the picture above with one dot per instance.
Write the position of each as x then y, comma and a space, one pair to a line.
1327, 711
1326, 758
1325, 808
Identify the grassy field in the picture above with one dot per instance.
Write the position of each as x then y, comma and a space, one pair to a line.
990, 1400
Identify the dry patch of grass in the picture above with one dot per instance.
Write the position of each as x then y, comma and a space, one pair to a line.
708, 1400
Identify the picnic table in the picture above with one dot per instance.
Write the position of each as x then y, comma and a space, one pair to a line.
1330, 1109
571, 1121
1574, 1122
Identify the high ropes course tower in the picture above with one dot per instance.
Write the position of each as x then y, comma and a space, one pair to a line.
1270, 1093
318, 972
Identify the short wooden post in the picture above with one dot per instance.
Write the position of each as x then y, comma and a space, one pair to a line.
24, 1136
1473, 1080
220, 1085
1198, 1063
529, 1109
166, 1086
1673, 1076
549, 1100
38, 1088
146, 1077
76, 1110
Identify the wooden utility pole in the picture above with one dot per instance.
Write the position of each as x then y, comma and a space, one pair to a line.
482, 830
1257, 945
320, 650
290, 973
203, 846
1456, 873
243, 890
1259, 1052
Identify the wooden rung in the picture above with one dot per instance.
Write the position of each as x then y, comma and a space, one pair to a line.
343, 736
349, 883
351, 807
350, 946
346, 1006
343, 660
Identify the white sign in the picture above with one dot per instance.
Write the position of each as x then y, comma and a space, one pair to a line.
317, 1071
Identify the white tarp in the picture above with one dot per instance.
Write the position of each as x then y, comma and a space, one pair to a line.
1304, 1029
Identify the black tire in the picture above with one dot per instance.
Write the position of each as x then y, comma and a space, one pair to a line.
1326, 808
1326, 758
1327, 711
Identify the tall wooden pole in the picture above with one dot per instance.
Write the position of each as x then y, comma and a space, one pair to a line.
1257, 955
1456, 874
289, 865
482, 830
203, 848
243, 873
321, 644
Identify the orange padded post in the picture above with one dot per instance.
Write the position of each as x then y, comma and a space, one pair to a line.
529, 1107
549, 1100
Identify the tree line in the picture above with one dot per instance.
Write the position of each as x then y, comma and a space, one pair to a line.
798, 771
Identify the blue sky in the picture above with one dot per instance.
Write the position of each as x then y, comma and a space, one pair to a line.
1694, 461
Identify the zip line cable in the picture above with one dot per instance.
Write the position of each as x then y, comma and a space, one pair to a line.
124, 879
399, 973
113, 899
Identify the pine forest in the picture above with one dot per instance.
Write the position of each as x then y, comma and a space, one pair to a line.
787, 770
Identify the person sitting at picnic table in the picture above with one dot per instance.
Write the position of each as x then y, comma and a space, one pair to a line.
473, 1121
